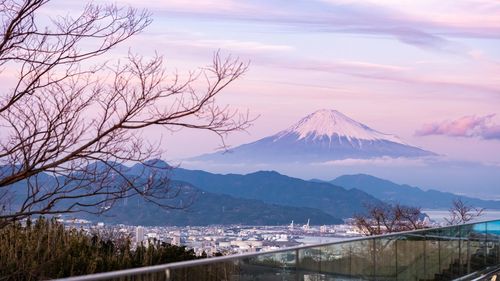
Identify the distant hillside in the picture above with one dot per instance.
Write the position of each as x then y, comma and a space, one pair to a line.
391, 193
272, 187
208, 209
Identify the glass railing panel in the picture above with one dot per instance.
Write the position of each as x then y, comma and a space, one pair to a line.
275, 266
310, 264
385, 258
211, 272
161, 275
449, 251
410, 255
467, 248
363, 258
465, 253
476, 247
309, 260
279, 266
432, 261
493, 243
336, 260
458, 234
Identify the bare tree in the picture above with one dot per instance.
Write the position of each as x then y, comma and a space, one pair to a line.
460, 213
70, 120
380, 219
119, 238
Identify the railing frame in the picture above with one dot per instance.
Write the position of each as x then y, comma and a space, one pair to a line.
177, 265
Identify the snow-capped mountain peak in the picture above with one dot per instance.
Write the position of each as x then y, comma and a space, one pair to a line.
324, 135
333, 124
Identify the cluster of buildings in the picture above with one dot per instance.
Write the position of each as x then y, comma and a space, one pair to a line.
242, 239
232, 239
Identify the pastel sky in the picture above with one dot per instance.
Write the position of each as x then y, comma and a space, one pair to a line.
427, 71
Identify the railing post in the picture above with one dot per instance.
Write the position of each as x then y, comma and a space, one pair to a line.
460, 273
439, 254
485, 261
425, 255
320, 260
498, 250
486, 250
297, 265
396, 256
374, 259
350, 259
468, 256
167, 275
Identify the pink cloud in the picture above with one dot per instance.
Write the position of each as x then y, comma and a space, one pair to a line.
467, 126
382, 72
425, 25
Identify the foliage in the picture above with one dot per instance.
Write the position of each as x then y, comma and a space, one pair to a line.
45, 249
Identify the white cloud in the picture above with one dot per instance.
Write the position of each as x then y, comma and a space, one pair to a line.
378, 161
231, 45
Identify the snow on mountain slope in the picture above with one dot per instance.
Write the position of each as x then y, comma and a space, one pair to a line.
334, 124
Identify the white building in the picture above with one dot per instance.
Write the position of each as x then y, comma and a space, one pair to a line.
139, 234
176, 240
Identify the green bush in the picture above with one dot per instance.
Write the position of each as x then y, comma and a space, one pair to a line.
44, 249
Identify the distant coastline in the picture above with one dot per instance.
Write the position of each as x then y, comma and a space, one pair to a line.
438, 215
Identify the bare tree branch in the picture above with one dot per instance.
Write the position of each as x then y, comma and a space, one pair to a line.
71, 123
460, 213
380, 219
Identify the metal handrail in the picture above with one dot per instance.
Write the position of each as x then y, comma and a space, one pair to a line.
213, 260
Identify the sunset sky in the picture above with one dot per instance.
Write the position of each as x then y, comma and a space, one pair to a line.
427, 71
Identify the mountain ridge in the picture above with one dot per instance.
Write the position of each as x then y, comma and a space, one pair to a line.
206, 208
211, 209
275, 188
391, 192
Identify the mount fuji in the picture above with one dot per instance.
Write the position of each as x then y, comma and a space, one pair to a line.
324, 135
